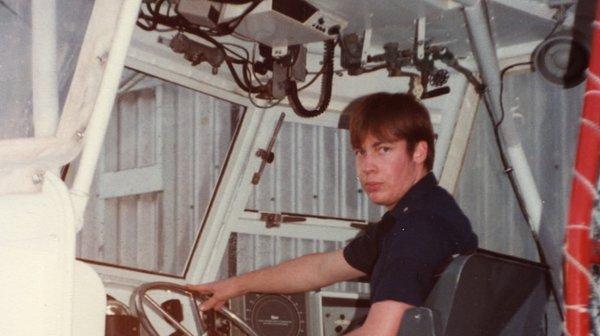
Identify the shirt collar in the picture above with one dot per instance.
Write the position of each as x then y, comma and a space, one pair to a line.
411, 200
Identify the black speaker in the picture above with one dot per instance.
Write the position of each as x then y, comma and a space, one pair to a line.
562, 58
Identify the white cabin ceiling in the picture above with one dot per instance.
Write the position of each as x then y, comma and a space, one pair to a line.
514, 22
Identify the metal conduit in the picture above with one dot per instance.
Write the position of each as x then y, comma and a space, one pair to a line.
45, 92
485, 54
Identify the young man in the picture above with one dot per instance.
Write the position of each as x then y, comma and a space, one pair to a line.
423, 227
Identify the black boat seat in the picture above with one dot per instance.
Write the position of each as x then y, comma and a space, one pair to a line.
482, 294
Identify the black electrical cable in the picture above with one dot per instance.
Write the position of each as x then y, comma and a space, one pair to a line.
326, 84
12, 11
451, 61
311, 81
502, 73
227, 27
247, 54
509, 170
520, 202
244, 86
179, 23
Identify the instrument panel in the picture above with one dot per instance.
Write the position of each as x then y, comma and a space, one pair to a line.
305, 314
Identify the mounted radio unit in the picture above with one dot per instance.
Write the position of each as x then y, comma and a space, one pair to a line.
275, 23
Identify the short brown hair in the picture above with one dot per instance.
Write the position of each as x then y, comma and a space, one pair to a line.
391, 117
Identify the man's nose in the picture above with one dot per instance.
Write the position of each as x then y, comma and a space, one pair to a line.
367, 164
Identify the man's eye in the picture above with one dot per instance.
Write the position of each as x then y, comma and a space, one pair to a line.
358, 152
384, 149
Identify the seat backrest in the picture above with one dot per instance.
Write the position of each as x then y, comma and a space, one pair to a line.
485, 294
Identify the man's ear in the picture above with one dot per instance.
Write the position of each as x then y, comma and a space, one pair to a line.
420, 152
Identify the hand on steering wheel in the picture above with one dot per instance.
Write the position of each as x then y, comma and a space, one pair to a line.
205, 321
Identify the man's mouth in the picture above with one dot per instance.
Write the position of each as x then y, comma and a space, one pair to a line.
372, 186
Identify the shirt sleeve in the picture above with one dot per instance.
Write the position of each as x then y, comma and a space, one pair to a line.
411, 255
361, 253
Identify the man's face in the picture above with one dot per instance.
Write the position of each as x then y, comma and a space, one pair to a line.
386, 170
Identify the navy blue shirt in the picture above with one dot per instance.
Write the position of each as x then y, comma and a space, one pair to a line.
402, 252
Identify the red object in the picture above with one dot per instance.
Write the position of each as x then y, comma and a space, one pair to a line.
579, 243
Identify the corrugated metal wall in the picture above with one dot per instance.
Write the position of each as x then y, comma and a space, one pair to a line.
313, 173
547, 118
185, 133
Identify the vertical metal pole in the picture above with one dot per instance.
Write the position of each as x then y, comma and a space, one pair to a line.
43, 74
96, 130
485, 54
447, 127
578, 247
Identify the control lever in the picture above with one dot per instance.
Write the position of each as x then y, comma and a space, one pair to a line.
267, 155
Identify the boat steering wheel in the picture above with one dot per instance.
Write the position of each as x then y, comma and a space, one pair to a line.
204, 321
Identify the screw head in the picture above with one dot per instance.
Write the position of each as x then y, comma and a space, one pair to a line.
37, 178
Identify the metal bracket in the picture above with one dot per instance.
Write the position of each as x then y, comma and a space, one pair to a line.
275, 219
267, 155
366, 47
420, 39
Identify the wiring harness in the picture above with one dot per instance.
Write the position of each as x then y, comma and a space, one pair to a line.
244, 70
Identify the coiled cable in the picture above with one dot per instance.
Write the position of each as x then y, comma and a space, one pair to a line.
326, 84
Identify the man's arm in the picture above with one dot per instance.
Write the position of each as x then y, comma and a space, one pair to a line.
302, 274
383, 320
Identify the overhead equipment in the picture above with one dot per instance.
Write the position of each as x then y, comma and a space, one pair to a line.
420, 59
275, 23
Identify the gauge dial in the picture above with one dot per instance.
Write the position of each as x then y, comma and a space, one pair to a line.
277, 315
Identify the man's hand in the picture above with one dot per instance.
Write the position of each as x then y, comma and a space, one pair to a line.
221, 292
302, 274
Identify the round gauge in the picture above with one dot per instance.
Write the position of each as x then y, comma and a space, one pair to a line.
276, 315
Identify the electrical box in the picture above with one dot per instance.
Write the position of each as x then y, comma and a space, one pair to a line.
279, 23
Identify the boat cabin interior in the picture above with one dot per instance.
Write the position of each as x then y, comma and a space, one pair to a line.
147, 145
